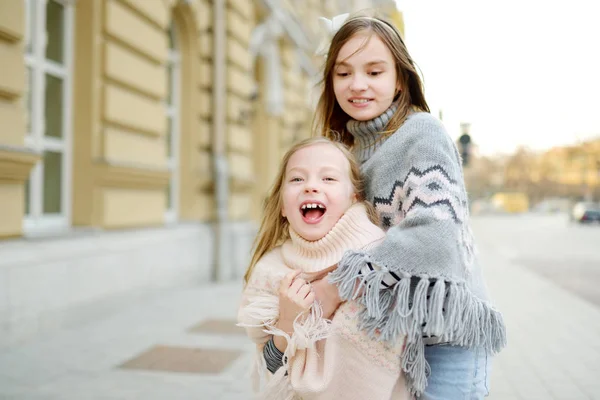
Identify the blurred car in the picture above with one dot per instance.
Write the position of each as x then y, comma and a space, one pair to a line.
585, 212
510, 202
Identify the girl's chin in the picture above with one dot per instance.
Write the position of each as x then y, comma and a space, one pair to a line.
363, 118
362, 115
313, 233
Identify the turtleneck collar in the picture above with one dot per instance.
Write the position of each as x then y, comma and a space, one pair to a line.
353, 231
367, 134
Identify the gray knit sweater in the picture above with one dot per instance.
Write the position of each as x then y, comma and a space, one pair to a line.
423, 280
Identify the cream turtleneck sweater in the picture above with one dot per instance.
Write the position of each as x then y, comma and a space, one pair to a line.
326, 359
353, 230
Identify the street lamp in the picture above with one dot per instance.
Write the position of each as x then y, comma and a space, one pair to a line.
464, 142
598, 178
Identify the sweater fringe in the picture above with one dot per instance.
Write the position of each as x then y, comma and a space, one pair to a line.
434, 307
262, 312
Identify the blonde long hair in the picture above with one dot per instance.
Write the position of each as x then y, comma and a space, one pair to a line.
274, 228
330, 120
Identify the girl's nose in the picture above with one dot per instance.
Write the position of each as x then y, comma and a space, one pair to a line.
359, 83
310, 188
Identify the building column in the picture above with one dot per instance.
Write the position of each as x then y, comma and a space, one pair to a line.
16, 161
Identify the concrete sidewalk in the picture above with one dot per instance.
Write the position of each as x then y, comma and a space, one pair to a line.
180, 344
86, 362
553, 349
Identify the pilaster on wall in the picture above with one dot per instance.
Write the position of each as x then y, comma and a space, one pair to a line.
240, 89
87, 130
12, 85
15, 161
12, 79
314, 10
202, 205
121, 124
298, 116
120, 83
274, 134
266, 147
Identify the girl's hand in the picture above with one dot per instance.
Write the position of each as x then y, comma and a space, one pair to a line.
295, 297
328, 295
314, 276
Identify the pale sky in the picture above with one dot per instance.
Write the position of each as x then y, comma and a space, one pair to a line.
522, 72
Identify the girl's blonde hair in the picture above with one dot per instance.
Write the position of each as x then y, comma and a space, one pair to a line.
274, 228
330, 120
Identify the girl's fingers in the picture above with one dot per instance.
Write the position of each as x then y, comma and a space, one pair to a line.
297, 285
304, 291
288, 279
314, 276
310, 297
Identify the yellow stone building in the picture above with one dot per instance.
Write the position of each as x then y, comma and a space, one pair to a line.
138, 139
575, 168
567, 172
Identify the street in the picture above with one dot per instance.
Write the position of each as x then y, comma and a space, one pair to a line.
542, 272
182, 344
568, 253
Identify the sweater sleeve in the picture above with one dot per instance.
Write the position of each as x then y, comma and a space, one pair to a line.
259, 305
258, 314
349, 365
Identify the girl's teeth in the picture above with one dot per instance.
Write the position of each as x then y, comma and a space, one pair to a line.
312, 206
360, 101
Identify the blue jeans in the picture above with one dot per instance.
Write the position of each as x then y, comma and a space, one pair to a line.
457, 373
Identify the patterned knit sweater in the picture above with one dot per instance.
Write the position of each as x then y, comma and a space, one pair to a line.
326, 359
423, 280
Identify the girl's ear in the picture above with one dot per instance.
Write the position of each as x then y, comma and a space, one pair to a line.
283, 213
397, 92
398, 86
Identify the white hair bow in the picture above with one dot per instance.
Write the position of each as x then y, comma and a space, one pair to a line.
329, 28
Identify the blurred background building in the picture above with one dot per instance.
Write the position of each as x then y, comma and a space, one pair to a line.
551, 180
138, 139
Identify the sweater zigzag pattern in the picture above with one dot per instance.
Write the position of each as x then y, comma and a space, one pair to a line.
430, 188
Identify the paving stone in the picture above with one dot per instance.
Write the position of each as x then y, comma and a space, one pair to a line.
218, 327
183, 359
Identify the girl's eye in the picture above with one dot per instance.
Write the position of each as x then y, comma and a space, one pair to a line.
342, 74
296, 179
330, 179
375, 73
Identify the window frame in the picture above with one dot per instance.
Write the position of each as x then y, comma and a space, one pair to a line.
36, 222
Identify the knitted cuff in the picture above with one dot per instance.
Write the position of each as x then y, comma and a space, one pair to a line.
273, 356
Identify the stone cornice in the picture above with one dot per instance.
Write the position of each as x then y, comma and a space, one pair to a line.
130, 177
16, 163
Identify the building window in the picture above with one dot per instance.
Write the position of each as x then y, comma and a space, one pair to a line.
48, 54
173, 111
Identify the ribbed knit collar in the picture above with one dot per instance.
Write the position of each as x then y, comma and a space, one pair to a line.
367, 134
352, 232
